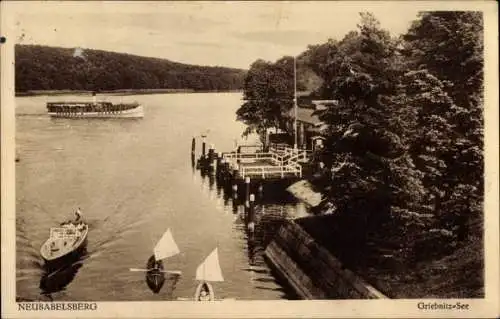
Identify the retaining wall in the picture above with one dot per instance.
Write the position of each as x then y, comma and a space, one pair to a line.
311, 270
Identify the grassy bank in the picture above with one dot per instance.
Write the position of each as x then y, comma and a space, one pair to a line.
457, 275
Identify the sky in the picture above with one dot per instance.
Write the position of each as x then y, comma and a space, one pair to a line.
232, 34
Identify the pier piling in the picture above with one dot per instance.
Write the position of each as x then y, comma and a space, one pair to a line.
247, 188
203, 147
235, 191
251, 213
211, 156
218, 161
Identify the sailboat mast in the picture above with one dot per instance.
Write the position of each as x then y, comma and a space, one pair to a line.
295, 100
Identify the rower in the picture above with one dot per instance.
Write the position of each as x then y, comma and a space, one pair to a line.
204, 296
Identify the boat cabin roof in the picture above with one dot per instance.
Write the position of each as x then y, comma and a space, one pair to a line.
78, 104
61, 233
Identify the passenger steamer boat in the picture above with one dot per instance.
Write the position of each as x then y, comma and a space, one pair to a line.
95, 109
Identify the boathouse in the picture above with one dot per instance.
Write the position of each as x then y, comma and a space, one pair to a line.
310, 127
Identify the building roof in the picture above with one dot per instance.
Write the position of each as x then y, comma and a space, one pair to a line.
306, 115
323, 104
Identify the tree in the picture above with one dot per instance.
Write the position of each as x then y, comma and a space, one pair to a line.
41, 67
449, 45
374, 184
268, 95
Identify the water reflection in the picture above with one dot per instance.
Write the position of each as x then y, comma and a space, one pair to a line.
55, 279
258, 220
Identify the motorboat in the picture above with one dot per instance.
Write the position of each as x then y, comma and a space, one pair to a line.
65, 243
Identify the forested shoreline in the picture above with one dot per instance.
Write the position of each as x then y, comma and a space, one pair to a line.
403, 149
40, 68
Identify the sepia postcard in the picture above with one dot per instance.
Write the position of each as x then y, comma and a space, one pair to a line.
257, 159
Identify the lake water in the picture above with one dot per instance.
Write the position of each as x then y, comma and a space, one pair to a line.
133, 179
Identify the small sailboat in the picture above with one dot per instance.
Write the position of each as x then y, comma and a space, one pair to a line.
208, 271
155, 272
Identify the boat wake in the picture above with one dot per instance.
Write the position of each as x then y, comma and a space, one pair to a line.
57, 280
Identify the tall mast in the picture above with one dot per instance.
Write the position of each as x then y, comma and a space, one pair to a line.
295, 100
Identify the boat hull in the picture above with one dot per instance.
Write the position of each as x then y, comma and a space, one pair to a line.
66, 259
207, 287
155, 278
137, 112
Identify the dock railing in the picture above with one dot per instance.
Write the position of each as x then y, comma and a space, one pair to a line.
286, 162
286, 154
267, 171
242, 156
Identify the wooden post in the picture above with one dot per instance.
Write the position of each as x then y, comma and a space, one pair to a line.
235, 191
235, 206
211, 155
193, 152
251, 213
203, 147
210, 150
219, 162
247, 188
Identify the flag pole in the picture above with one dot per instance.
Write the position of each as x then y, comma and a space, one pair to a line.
295, 101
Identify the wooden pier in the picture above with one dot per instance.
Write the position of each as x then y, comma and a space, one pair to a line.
276, 163
249, 174
249, 168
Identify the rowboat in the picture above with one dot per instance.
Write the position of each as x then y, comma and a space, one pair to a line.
65, 243
155, 271
208, 271
155, 276
204, 292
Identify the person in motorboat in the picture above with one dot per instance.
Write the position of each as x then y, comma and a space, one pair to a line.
78, 214
77, 221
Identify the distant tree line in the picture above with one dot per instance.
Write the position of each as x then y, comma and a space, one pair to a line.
404, 143
50, 68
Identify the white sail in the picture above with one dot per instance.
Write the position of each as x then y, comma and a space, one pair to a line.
209, 269
166, 246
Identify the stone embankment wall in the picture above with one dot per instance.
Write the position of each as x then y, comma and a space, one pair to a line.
311, 270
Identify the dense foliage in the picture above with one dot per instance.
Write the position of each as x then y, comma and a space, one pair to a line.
268, 95
269, 92
49, 68
404, 143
